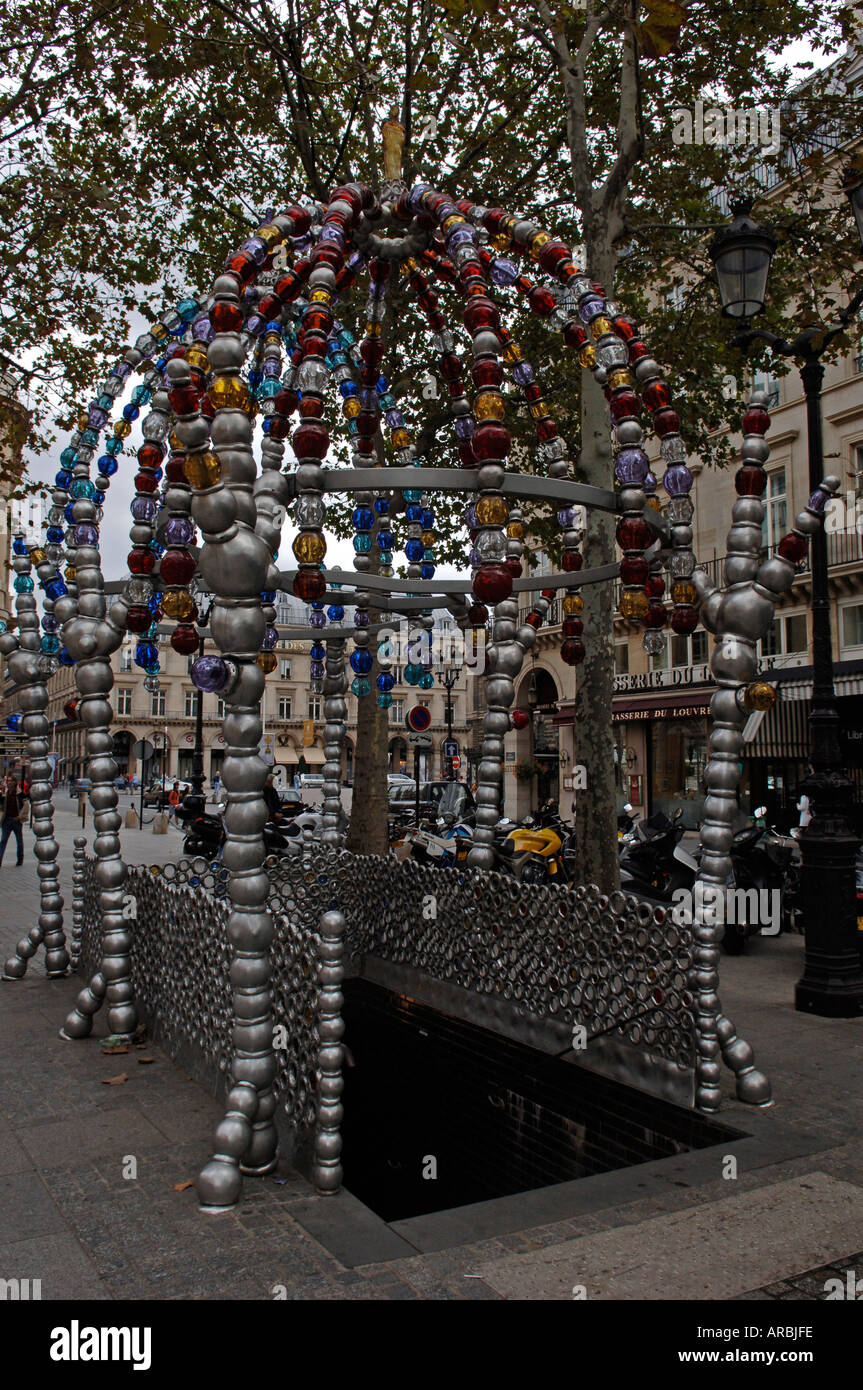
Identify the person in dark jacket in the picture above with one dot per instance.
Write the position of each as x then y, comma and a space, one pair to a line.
12, 820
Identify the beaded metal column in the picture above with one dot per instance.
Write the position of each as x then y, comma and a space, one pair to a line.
739, 615
328, 1140
335, 717
78, 858
30, 661
504, 658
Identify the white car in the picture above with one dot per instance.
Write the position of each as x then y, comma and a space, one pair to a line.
310, 781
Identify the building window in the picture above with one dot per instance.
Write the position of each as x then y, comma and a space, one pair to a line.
285, 668
284, 706
126, 659
158, 702
220, 709
787, 637
660, 661
621, 658
190, 703
700, 649
124, 700
397, 712
852, 625
766, 381
314, 707
774, 525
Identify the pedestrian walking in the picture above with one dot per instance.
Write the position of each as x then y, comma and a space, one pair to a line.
174, 800
803, 808
12, 820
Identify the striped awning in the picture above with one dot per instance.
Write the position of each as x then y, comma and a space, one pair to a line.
783, 732
847, 684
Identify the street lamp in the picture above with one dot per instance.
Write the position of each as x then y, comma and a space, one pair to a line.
832, 983
196, 801
449, 676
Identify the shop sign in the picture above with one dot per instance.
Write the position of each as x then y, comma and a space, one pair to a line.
663, 680
630, 716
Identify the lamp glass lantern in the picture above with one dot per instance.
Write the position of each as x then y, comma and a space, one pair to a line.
742, 254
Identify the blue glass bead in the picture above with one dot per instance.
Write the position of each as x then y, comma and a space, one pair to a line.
130, 413
361, 661
414, 550
361, 686
145, 653
63, 480
105, 402
187, 309
427, 519
114, 446
382, 505
13, 722
427, 571
23, 584
353, 427
386, 557
362, 518
255, 378
19, 546
141, 395
385, 700
268, 596
153, 668
413, 512
318, 651
428, 554
90, 438
426, 681
413, 671
98, 497
362, 543
69, 458
50, 644
412, 494
65, 658
335, 612
347, 388
269, 388
346, 337
385, 681
54, 535
386, 540
82, 487
107, 466
69, 513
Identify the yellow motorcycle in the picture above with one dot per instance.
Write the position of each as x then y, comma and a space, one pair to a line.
541, 849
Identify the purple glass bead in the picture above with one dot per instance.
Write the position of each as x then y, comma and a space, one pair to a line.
503, 272
475, 558
96, 417
316, 670
470, 518
650, 485
377, 289
590, 308
256, 248
394, 419
270, 638
459, 237
631, 466
416, 195
180, 530
356, 260
123, 370
677, 480
86, 534
272, 367
522, 374
567, 517
317, 620
332, 233
361, 618
209, 673
50, 623
255, 324
144, 508
202, 330
818, 501
464, 426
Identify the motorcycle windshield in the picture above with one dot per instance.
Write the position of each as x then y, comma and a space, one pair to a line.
456, 801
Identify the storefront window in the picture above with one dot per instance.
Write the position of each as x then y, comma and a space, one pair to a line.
679, 760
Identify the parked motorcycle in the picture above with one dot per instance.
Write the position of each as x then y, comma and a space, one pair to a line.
539, 850
764, 860
653, 862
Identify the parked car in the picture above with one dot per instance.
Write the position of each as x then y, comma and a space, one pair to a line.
310, 781
402, 799
155, 795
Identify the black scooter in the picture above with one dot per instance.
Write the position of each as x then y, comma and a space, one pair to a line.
766, 861
654, 864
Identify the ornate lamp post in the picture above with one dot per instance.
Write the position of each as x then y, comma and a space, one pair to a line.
449, 677
832, 984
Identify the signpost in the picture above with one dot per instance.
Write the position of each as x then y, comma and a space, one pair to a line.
417, 721
450, 749
142, 751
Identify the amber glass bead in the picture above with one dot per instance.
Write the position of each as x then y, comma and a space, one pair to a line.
683, 591
635, 604
587, 357
229, 393
759, 695
178, 604
489, 406
620, 379
492, 511
203, 470
268, 661
515, 530
122, 429
309, 547
573, 603
600, 326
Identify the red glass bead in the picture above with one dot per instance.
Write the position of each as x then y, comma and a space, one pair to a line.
493, 219
311, 407
175, 469
301, 219
206, 407
280, 427
151, 455
478, 614
513, 564
141, 561
367, 425
572, 627
481, 313
655, 614
176, 567
520, 718
371, 350
549, 594
325, 253
492, 584
318, 321
756, 421
146, 482
684, 619
450, 366
533, 393
70, 709
347, 194
633, 533
624, 327
466, 454
366, 447
655, 586
656, 396
184, 400
534, 620
574, 335
793, 547
487, 372
178, 350
464, 207
572, 651
634, 569
314, 345
666, 422
637, 349
309, 585
184, 639
491, 441
624, 406
311, 440
542, 301
546, 429
750, 480
572, 561
242, 266
553, 255
138, 618
269, 306
286, 402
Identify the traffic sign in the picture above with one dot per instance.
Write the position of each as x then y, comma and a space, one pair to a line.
418, 718
420, 740
450, 749
456, 763
143, 750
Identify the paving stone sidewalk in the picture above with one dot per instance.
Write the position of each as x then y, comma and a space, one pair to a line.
91, 1175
